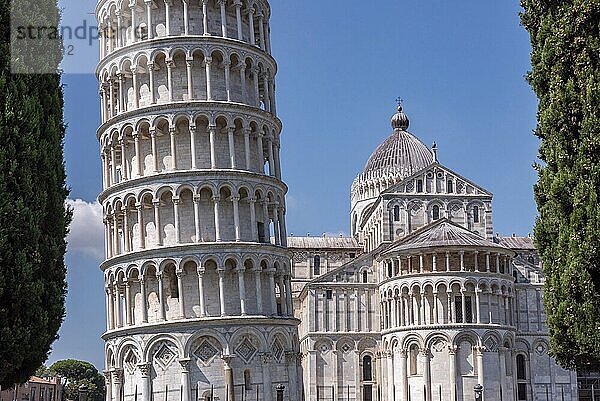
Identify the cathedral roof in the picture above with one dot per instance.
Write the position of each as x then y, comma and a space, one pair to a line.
322, 243
514, 242
442, 233
401, 152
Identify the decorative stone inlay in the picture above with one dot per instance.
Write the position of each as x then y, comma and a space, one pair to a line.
491, 344
164, 355
439, 346
130, 361
540, 349
206, 352
346, 348
246, 350
278, 350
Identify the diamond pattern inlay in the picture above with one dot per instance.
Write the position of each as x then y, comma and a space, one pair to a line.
246, 350
278, 350
164, 355
206, 352
130, 361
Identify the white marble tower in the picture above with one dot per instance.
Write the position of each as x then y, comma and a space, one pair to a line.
197, 275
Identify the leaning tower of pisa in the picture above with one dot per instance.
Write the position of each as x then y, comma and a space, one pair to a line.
197, 275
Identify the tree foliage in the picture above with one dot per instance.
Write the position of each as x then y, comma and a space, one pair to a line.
33, 219
565, 39
77, 374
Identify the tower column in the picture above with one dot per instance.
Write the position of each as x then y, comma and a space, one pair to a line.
253, 225
403, 375
190, 83
119, 320
145, 374
242, 288
212, 129
236, 217
258, 285
185, 379
223, 19
221, 274
216, 201
271, 275
144, 299
231, 141
197, 223
247, 147
181, 295
426, 373
157, 225
193, 131
207, 64
452, 352
140, 215
238, 16
176, 203
128, 307
205, 17
201, 291
117, 382
161, 298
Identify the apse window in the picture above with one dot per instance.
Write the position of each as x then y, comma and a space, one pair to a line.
329, 294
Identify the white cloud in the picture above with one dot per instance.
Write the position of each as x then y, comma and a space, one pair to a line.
86, 230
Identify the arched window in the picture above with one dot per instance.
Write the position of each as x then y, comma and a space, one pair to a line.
475, 214
419, 186
521, 375
367, 369
521, 378
450, 187
396, 213
365, 277
317, 265
436, 212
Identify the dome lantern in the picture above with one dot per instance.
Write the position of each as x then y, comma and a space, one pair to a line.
400, 120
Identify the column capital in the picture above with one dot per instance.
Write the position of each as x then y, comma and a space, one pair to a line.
227, 359
208, 61
185, 364
193, 128
216, 199
144, 369
266, 358
117, 375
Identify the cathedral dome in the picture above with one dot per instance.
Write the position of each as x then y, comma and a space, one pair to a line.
401, 152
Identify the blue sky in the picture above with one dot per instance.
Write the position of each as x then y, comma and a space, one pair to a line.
459, 66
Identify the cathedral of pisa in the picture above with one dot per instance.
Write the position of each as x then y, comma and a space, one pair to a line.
209, 299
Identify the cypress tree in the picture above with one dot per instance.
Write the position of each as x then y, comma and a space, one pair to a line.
565, 76
33, 217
